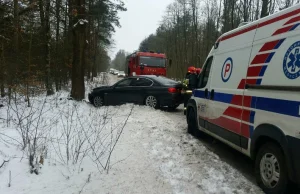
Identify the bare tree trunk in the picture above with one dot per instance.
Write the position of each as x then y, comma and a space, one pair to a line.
245, 10
79, 44
95, 53
48, 53
264, 9
29, 63
195, 25
71, 4
288, 3
2, 67
185, 32
257, 9
45, 23
13, 68
66, 60
88, 66
232, 14
218, 20
57, 69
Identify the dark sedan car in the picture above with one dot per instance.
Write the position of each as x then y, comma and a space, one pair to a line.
150, 90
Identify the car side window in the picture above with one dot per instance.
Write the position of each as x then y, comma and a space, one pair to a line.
124, 83
141, 82
203, 79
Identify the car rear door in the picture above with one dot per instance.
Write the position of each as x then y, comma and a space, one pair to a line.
139, 89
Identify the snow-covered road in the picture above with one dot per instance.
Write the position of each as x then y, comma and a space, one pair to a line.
154, 154
185, 163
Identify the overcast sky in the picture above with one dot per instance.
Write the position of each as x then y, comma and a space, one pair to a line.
140, 20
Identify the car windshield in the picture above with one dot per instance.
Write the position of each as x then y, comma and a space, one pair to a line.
153, 61
165, 81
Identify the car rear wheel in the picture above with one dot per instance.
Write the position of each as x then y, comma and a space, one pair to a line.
151, 101
270, 169
98, 101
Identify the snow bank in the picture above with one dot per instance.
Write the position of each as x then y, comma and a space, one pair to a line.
152, 152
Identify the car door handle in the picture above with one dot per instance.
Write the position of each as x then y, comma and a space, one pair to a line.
206, 93
212, 94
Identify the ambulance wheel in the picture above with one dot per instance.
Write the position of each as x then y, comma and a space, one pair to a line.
270, 169
192, 123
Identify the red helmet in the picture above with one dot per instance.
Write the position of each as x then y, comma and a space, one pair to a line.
198, 70
191, 69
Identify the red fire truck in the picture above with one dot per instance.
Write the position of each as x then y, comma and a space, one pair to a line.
146, 63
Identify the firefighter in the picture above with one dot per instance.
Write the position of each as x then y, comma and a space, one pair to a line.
198, 71
190, 83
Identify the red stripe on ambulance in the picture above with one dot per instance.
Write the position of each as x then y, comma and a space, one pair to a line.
265, 23
269, 46
295, 19
254, 71
283, 30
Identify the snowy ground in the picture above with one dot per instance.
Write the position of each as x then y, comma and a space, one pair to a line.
154, 153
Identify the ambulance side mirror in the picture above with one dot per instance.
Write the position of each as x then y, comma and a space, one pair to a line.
216, 45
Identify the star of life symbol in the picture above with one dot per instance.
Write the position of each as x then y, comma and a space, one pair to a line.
291, 61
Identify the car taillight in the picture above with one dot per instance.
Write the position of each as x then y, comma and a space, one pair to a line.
174, 90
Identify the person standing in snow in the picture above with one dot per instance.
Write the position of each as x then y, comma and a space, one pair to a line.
189, 84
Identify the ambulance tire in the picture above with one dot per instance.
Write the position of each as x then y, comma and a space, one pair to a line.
192, 123
271, 150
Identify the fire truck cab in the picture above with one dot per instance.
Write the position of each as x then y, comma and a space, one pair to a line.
146, 63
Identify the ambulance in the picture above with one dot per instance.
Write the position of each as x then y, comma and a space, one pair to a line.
248, 96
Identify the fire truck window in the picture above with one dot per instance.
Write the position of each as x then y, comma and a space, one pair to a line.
153, 61
124, 83
141, 82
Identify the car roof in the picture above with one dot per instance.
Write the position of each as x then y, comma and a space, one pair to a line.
160, 79
146, 76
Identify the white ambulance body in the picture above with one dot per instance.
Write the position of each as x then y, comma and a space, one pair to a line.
248, 96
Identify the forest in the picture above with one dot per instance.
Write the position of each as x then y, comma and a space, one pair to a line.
48, 43
190, 28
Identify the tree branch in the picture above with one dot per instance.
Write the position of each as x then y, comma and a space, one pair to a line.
4, 161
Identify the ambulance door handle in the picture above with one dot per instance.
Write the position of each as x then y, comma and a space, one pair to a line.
212, 94
206, 93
